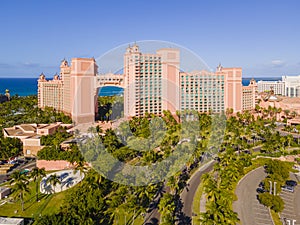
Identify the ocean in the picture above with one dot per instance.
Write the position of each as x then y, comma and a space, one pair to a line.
28, 86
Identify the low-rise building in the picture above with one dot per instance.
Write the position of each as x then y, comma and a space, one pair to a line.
30, 135
4, 191
11, 221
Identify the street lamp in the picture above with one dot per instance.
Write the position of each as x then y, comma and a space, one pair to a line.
289, 222
274, 191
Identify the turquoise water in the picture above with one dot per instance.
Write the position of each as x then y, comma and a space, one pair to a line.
28, 86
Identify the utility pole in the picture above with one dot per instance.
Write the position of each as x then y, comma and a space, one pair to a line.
275, 187
270, 187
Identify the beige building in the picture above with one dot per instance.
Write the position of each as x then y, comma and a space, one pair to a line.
50, 93
73, 91
152, 83
250, 95
30, 135
202, 91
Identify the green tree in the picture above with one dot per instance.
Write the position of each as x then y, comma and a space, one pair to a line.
19, 184
167, 208
37, 174
274, 202
53, 179
21, 188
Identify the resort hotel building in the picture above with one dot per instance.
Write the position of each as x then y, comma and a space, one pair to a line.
292, 86
289, 86
152, 83
277, 86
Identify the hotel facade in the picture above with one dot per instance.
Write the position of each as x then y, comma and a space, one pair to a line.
277, 86
152, 83
292, 86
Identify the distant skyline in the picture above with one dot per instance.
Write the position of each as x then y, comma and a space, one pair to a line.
262, 37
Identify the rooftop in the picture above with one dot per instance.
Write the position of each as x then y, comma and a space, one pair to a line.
31, 130
4, 221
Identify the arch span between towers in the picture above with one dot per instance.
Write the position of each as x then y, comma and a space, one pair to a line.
110, 80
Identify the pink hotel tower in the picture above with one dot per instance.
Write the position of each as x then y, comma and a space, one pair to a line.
152, 83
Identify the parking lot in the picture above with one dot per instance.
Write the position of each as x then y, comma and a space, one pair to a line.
261, 213
291, 206
68, 179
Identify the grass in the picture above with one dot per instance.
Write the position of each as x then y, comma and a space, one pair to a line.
127, 218
196, 204
256, 163
275, 218
47, 204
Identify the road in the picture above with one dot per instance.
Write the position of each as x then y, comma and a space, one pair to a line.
28, 165
285, 133
187, 195
249, 210
152, 216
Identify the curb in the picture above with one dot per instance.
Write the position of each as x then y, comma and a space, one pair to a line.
247, 175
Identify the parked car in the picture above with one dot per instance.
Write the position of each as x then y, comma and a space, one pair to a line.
260, 190
261, 185
287, 188
291, 183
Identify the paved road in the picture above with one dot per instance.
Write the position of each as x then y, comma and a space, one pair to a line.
188, 193
152, 217
29, 165
187, 196
285, 133
249, 210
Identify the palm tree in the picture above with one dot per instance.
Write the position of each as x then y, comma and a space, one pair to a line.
287, 113
53, 180
167, 207
173, 184
20, 188
294, 114
80, 166
16, 176
229, 112
37, 174
20, 185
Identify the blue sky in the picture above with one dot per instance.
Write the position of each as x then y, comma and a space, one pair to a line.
262, 37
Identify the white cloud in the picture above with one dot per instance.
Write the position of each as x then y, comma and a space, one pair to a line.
30, 64
277, 63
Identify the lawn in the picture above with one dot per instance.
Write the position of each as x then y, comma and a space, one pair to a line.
196, 204
127, 218
47, 204
275, 218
